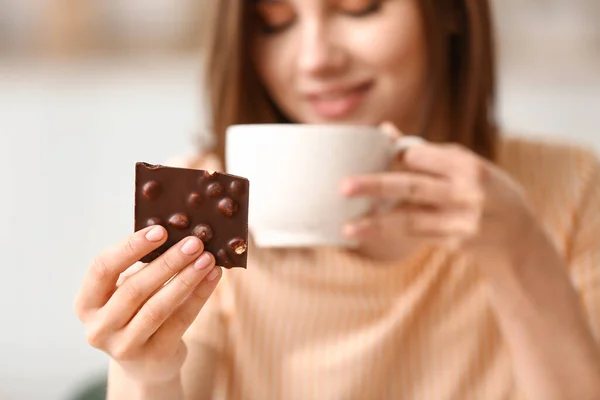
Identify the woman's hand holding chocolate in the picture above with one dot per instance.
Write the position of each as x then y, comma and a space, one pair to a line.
139, 315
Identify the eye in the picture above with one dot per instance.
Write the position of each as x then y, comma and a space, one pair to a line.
274, 15
359, 8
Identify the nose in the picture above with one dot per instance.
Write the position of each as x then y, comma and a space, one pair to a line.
320, 52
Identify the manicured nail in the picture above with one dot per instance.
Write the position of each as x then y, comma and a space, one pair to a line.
214, 274
349, 187
191, 247
155, 234
350, 231
355, 230
391, 130
203, 262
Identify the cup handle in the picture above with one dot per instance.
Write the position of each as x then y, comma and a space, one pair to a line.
400, 145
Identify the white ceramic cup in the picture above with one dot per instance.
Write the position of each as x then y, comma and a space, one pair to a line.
295, 173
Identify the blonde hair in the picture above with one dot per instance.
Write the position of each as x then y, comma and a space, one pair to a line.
460, 53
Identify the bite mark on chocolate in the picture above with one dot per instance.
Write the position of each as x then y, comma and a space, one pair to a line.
209, 174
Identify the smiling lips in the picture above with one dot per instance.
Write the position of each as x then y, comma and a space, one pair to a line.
338, 102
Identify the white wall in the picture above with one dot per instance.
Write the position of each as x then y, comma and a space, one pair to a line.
69, 137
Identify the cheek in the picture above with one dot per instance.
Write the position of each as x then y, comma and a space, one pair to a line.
395, 45
394, 50
273, 63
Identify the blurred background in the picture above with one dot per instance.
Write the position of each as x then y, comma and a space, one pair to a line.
87, 88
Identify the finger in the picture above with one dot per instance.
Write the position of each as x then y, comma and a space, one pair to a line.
135, 268
134, 292
416, 222
99, 283
377, 226
183, 317
442, 224
168, 299
104, 326
451, 161
413, 188
401, 186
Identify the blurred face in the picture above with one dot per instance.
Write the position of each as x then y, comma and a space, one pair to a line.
342, 61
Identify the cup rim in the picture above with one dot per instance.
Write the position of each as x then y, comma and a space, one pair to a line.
333, 128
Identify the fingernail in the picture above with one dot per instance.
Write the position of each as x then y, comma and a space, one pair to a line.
155, 234
203, 262
390, 129
350, 231
214, 274
191, 247
355, 230
349, 187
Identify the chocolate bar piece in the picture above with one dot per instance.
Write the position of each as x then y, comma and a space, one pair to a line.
210, 205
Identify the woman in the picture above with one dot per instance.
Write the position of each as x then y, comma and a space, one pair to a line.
484, 283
